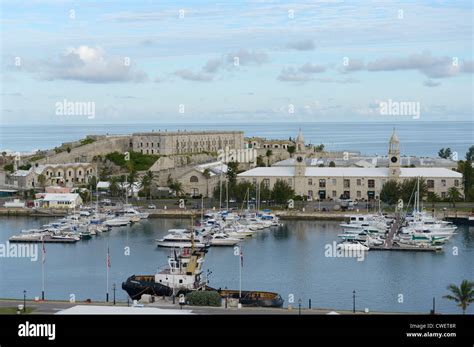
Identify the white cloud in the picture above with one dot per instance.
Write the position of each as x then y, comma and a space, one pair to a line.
92, 65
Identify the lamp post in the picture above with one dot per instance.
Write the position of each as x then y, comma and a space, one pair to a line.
24, 301
299, 306
113, 288
353, 301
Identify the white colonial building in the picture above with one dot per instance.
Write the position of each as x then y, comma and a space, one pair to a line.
358, 183
68, 175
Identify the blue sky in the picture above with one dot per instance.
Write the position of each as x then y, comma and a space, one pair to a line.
324, 60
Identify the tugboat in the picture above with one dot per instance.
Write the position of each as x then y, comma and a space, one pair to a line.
182, 276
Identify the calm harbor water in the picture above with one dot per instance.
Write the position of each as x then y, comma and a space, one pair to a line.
417, 138
289, 260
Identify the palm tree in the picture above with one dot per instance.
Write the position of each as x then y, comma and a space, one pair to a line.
462, 295
268, 155
176, 187
114, 186
454, 195
146, 182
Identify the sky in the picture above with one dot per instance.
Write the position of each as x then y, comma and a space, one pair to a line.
235, 62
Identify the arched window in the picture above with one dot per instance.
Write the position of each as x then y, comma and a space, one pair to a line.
193, 179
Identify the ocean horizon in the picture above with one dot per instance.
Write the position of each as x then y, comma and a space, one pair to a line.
420, 138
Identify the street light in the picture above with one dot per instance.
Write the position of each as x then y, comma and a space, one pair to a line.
354, 301
24, 301
299, 306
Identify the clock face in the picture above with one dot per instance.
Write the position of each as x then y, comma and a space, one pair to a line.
299, 159
393, 159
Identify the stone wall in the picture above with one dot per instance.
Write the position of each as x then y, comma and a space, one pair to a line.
87, 152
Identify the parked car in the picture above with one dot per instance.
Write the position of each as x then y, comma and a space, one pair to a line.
152, 207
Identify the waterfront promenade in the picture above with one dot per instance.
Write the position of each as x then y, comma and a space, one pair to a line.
53, 307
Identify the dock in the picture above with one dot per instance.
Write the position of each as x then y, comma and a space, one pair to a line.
389, 245
38, 239
407, 248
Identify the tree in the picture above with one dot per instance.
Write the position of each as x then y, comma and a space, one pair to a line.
232, 170
265, 192
454, 195
146, 183
319, 148
468, 179
176, 187
462, 295
241, 189
445, 153
114, 186
470, 154
408, 187
390, 192
332, 164
291, 150
268, 154
282, 191
42, 180
93, 182
68, 149
105, 173
260, 161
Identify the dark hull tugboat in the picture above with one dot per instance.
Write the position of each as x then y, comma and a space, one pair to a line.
184, 275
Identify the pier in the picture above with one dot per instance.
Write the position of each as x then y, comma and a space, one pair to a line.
39, 239
389, 245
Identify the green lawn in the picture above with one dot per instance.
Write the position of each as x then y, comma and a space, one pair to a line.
12, 310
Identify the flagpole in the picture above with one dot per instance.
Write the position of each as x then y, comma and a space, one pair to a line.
107, 264
240, 274
42, 269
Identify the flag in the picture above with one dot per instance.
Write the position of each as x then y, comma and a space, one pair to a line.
43, 250
108, 257
241, 258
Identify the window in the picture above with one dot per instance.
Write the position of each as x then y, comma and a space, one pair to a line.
266, 182
334, 181
443, 195
371, 183
359, 194
310, 181
456, 183
359, 182
443, 183
310, 193
347, 183
322, 183
290, 181
334, 194
193, 179
430, 184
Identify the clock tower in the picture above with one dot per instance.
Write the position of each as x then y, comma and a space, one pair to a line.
394, 156
300, 155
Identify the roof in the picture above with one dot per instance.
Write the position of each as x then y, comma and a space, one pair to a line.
103, 184
60, 197
285, 171
21, 173
215, 168
96, 309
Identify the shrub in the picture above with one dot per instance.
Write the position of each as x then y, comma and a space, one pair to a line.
204, 298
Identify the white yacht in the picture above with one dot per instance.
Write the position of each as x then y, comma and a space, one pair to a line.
222, 239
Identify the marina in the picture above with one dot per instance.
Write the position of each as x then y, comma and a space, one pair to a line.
79, 268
